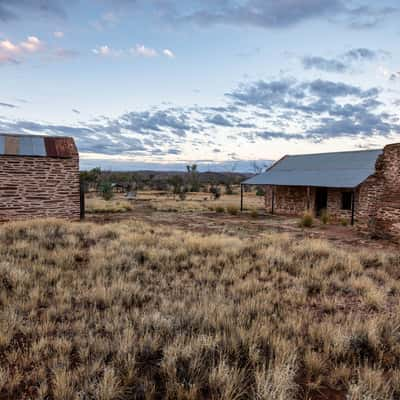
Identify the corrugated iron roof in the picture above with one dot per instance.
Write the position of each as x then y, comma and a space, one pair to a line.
38, 146
337, 170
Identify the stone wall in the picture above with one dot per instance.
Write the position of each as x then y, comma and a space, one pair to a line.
292, 200
388, 206
38, 187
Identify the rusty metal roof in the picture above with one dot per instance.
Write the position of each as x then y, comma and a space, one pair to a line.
37, 146
336, 170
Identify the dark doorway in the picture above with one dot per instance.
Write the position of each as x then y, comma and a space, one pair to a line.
321, 200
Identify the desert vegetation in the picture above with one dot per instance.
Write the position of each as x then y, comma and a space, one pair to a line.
130, 311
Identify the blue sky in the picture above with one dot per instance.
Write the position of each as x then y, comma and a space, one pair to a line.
157, 83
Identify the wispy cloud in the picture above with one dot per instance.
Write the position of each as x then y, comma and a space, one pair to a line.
7, 105
106, 51
272, 14
344, 62
106, 21
168, 53
58, 34
14, 53
142, 50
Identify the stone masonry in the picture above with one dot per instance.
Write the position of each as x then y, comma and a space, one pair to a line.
39, 187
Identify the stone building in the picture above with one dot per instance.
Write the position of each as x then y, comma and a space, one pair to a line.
361, 187
39, 177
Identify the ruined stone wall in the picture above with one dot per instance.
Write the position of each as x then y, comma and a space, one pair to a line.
38, 187
388, 206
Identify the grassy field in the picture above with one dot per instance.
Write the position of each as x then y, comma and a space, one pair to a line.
164, 201
131, 311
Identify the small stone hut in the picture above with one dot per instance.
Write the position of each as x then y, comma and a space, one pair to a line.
39, 177
362, 187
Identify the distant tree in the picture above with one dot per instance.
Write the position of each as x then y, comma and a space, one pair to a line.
176, 182
91, 177
193, 178
106, 190
258, 168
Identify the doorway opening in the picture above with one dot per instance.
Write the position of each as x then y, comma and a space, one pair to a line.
321, 200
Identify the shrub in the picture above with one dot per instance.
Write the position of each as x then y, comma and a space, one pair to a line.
324, 217
233, 210
216, 192
254, 213
307, 220
106, 191
219, 209
260, 191
344, 222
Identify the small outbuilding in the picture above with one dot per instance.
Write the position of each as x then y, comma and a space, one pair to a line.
362, 187
39, 177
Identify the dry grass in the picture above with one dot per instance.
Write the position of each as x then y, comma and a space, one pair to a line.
167, 202
97, 205
129, 311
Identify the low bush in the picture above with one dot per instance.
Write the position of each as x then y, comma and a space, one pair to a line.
325, 217
307, 220
254, 213
219, 209
344, 222
232, 210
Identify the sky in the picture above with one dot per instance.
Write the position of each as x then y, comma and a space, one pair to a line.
157, 84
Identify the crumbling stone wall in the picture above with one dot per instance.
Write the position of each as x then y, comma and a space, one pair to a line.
388, 205
38, 187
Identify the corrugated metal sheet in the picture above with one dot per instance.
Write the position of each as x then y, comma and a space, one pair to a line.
32, 146
60, 147
338, 170
38, 146
12, 145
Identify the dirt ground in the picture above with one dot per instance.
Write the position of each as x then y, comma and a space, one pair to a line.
160, 210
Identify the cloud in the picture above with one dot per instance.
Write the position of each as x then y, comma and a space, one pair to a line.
272, 14
324, 64
7, 105
168, 53
14, 9
366, 17
106, 51
316, 110
394, 76
220, 120
284, 109
107, 20
74, 110
142, 50
58, 34
13, 53
343, 62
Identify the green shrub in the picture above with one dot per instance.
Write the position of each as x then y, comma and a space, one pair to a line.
233, 210
106, 191
254, 213
307, 220
260, 191
344, 222
324, 217
219, 209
